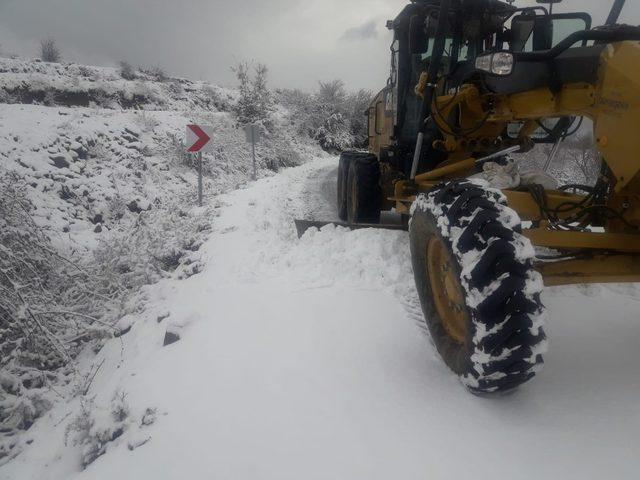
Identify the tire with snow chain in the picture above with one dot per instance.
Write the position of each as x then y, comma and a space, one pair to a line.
364, 195
479, 292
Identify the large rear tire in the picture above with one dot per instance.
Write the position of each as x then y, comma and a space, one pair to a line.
364, 195
343, 176
343, 173
479, 292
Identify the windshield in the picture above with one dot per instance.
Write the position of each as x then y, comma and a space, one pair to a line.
524, 29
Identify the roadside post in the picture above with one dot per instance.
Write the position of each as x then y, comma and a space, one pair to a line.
198, 141
252, 132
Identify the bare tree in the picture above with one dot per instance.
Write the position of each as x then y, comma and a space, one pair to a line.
49, 51
332, 93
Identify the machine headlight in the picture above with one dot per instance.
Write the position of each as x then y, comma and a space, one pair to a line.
499, 63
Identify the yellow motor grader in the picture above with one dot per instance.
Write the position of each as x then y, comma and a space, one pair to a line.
472, 82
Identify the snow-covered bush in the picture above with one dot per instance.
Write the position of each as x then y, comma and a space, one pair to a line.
162, 239
94, 428
331, 116
357, 105
147, 121
49, 308
127, 71
280, 153
216, 97
155, 72
334, 135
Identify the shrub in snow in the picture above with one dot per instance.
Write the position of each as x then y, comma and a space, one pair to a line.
49, 99
155, 72
49, 51
48, 310
219, 100
94, 428
333, 117
335, 134
285, 155
127, 71
146, 121
357, 106
160, 241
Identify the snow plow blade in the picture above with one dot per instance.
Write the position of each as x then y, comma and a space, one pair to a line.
303, 225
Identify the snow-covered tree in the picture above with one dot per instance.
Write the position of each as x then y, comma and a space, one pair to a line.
332, 115
255, 103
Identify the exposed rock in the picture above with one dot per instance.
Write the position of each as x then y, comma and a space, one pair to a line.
60, 161
171, 337
139, 206
133, 207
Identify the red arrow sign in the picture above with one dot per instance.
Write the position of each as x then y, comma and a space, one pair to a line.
198, 139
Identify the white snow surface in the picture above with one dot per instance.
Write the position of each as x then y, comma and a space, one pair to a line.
302, 359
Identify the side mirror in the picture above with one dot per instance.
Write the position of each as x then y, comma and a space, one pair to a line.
418, 38
543, 33
521, 30
551, 3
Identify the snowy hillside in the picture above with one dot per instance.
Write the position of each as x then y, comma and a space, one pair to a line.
97, 201
33, 81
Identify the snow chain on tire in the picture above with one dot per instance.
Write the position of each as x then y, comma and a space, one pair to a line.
505, 338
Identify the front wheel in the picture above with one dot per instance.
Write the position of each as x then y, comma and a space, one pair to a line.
479, 292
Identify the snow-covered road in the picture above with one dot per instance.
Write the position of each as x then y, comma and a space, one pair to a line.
304, 359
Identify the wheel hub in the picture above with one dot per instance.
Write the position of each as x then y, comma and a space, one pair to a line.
447, 291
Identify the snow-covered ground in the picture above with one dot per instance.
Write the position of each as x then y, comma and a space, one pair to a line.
97, 199
305, 359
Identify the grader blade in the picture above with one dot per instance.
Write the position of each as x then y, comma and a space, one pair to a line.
303, 225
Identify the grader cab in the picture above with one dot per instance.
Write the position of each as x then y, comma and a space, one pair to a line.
472, 82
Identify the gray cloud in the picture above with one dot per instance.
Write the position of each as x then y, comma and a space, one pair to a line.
301, 42
363, 32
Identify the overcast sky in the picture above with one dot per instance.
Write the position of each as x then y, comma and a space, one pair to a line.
300, 41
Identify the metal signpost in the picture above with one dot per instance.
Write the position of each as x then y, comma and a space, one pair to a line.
253, 136
198, 141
